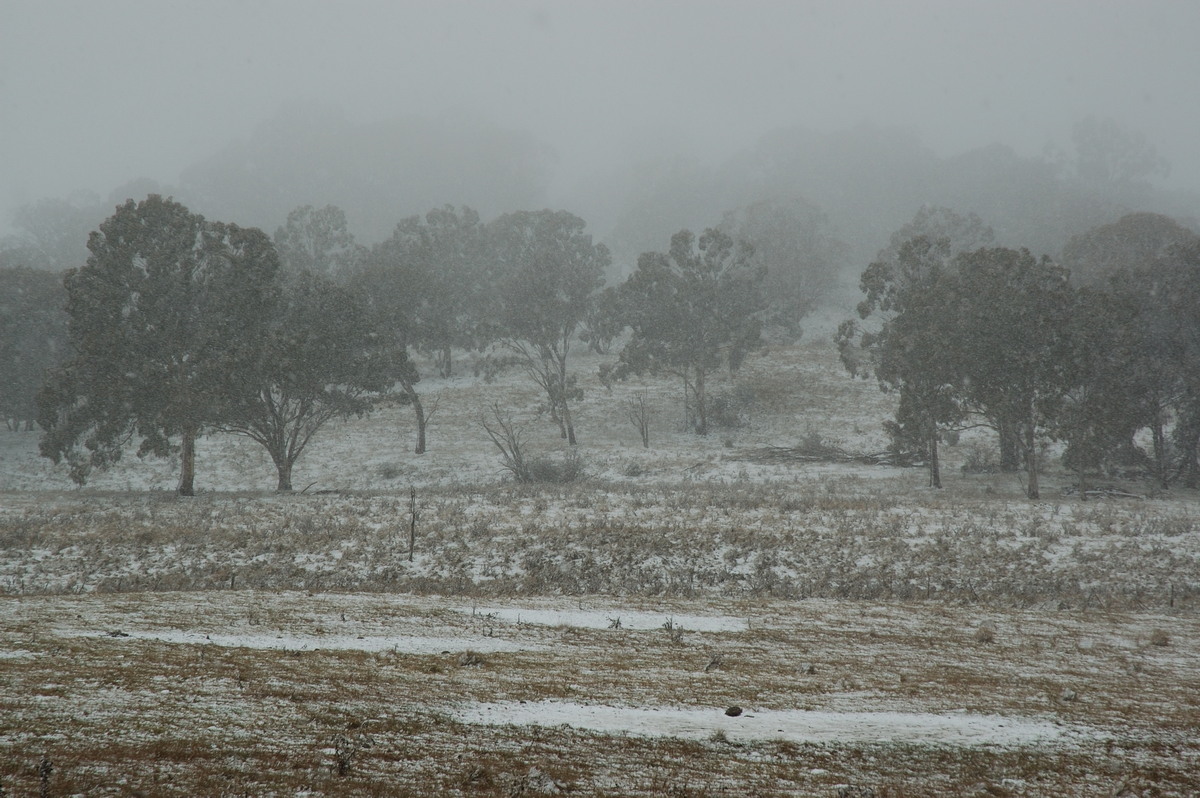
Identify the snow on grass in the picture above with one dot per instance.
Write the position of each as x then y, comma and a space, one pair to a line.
797, 726
400, 644
613, 618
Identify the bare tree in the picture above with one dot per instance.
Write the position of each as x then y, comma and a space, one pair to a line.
509, 439
637, 410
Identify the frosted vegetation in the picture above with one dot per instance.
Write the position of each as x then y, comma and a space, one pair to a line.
487, 508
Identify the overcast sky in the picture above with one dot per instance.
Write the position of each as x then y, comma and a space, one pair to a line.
94, 93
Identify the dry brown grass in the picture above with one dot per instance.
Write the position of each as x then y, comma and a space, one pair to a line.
119, 715
864, 592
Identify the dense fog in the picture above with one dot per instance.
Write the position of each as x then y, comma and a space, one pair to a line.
641, 118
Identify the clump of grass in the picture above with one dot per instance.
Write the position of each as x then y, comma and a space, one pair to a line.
470, 659
1159, 637
557, 472
985, 634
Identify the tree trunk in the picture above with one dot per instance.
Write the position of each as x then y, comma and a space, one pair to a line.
702, 426
445, 363
1031, 465
419, 410
1010, 446
284, 467
567, 423
1160, 452
566, 411
935, 468
187, 468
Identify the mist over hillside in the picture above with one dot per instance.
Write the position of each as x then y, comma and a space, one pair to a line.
639, 118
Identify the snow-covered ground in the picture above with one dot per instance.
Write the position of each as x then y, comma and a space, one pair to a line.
876, 634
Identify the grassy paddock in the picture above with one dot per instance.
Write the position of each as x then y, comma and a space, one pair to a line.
244, 643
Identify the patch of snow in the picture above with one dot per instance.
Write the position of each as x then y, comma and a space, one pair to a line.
288, 642
606, 619
957, 729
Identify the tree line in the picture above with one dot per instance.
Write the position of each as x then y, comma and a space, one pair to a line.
969, 334
178, 326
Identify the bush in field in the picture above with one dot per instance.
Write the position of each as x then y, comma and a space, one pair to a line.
561, 471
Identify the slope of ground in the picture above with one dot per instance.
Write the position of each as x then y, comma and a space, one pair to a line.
879, 637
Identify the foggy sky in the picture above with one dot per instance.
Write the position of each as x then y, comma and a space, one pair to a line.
94, 94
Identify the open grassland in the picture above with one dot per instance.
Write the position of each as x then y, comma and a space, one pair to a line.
254, 693
880, 638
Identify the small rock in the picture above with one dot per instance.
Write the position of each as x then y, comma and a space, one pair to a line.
733, 712
713, 664
808, 670
1067, 694
117, 633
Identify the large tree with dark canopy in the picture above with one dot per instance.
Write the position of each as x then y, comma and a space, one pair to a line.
317, 361
906, 336
692, 309
1013, 314
552, 272
164, 322
913, 350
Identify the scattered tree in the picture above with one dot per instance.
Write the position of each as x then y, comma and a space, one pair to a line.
1012, 314
637, 410
913, 352
1134, 242
910, 344
318, 241
692, 310
794, 244
163, 319
33, 338
552, 273
441, 264
54, 232
317, 361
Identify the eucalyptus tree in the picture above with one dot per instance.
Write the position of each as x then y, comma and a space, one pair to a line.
163, 322
905, 336
913, 351
692, 310
1106, 400
1012, 315
318, 360
33, 338
442, 263
318, 240
551, 272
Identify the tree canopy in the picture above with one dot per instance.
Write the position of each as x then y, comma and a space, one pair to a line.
551, 275
693, 309
318, 360
163, 320
33, 338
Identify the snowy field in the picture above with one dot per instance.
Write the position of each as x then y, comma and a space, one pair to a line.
704, 617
